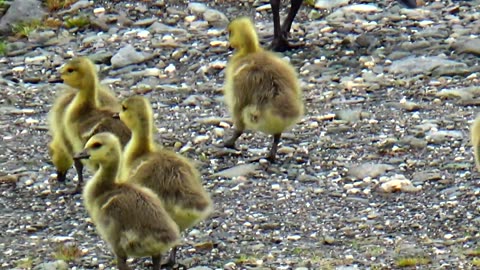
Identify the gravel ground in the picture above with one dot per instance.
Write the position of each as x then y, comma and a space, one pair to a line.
389, 96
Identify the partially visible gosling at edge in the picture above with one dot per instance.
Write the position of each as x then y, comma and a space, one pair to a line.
475, 140
84, 117
60, 149
130, 218
261, 90
170, 175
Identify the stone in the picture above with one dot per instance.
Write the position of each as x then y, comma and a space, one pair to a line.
236, 171
423, 64
329, 4
126, 56
21, 11
197, 8
56, 265
215, 18
161, 28
369, 170
469, 46
145, 22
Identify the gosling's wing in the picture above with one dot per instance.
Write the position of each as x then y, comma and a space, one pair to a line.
106, 123
136, 209
173, 178
143, 227
264, 77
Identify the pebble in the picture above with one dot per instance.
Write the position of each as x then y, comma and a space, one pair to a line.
126, 56
36, 59
201, 139
197, 8
170, 68
294, 237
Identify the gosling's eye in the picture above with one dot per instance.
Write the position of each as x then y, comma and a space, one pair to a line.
124, 108
70, 70
96, 145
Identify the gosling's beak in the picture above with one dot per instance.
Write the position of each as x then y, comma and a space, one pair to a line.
82, 155
116, 116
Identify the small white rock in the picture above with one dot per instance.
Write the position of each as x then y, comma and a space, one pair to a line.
218, 43
31, 121
294, 237
151, 72
99, 11
214, 32
190, 18
200, 139
219, 132
36, 59
224, 124
170, 68
18, 69
143, 34
286, 150
275, 187
264, 7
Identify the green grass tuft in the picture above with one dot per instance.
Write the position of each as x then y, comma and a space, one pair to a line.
24, 29
25, 263
411, 261
67, 252
54, 5
3, 47
78, 21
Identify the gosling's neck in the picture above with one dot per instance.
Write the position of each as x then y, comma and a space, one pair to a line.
250, 45
141, 141
88, 96
103, 180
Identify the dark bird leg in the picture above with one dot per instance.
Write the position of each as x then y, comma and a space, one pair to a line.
287, 24
61, 176
230, 143
409, 3
280, 32
79, 168
273, 151
122, 263
172, 261
156, 262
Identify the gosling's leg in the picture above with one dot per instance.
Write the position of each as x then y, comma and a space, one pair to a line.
61, 176
230, 143
156, 262
122, 263
280, 42
172, 261
79, 168
273, 151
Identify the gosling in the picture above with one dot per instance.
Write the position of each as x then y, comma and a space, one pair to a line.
84, 117
130, 218
171, 176
60, 149
261, 90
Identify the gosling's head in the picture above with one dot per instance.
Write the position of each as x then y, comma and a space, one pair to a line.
136, 112
242, 34
101, 148
78, 72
